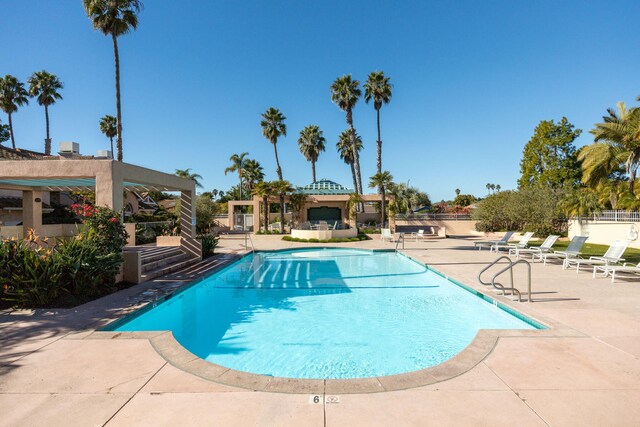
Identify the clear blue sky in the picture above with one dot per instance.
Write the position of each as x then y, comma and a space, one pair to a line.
471, 80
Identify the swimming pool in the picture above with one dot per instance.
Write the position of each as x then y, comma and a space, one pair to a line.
325, 314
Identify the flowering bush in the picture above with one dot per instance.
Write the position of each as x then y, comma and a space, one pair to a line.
102, 226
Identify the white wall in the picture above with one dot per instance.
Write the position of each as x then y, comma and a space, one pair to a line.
605, 232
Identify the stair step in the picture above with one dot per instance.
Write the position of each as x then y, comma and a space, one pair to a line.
160, 254
164, 270
170, 259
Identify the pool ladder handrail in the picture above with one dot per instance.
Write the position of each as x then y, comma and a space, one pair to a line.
400, 237
508, 268
246, 247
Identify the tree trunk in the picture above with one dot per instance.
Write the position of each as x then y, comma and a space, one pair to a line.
355, 178
313, 170
278, 169
116, 56
383, 205
265, 202
379, 142
356, 153
13, 141
240, 188
47, 141
111, 139
281, 213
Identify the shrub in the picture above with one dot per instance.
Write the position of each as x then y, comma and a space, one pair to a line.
313, 240
209, 244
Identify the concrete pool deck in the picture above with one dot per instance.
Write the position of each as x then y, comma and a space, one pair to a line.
55, 371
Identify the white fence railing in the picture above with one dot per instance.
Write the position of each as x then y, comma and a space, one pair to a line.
617, 216
434, 216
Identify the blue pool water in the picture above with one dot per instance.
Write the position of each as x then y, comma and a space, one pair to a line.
326, 313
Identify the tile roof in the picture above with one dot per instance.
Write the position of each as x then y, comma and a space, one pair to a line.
7, 153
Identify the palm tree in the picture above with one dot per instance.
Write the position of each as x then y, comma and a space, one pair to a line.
488, 188
253, 172
498, 188
282, 187
12, 95
237, 165
345, 93
493, 188
311, 144
45, 87
264, 189
186, 173
109, 128
115, 19
381, 181
457, 192
346, 153
616, 139
273, 127
378, 89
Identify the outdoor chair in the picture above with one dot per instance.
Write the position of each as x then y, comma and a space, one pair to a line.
418, 235
323, 226
612, 256
385, 234
613, 269
275, 226
522, 244
572, 251
489, 243
543, 248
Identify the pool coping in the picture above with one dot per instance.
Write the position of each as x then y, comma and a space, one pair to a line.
478, 349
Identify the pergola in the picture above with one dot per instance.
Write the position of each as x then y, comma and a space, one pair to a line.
108, 178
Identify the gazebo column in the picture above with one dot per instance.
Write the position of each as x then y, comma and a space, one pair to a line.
109, 190
188, 242
32, 212
256, 215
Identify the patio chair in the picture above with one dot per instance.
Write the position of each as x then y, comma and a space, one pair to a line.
613, 269
488, 243
418, 235
385, 234
522, 244
543, 248
334, 226
323, 226
612, 256
274, 226
572, 251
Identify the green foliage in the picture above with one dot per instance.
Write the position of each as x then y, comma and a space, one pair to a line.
549, 158
209, 244
102, 226
4, 132
359, 238
536, 209
186, 173
206, 209
464, 200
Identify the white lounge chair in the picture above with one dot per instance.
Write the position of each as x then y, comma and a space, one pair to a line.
385, 234
488, 243
543, 248
275, 226
613, 269
572, 251
418, 235
522, 244
612, 256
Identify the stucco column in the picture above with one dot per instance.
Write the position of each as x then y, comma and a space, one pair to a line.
109, 190
32, 212
256, 214
187, 214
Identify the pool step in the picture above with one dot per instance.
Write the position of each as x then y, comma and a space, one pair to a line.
161, 261
168, 269
168, 259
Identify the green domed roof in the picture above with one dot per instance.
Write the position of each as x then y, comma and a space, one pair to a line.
324, 186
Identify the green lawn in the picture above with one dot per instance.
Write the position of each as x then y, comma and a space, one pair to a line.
590, 249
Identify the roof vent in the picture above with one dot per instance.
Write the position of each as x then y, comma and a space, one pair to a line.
69, 148
104, 154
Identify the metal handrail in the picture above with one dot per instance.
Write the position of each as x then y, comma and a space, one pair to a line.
509, 268
250, 241
400, 237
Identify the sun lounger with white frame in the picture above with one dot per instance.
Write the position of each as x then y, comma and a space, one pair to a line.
612, 256
613, 269
522, 244
488, 243
572, 251
385, 234
543, 248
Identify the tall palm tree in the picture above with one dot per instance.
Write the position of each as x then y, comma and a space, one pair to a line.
345, 93
345, 150
457, 192
45, 87
311, 144
488, 188
114, 18
381, 181
282, 187
617, 141
498, 188
237, 165
273, 127
109, 128
264, 189
378, 89
12, 95
253, 172
186, 173
493, 188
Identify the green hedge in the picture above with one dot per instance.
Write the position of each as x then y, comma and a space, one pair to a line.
359, 238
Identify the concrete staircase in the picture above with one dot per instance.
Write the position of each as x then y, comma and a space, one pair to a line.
160, 261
